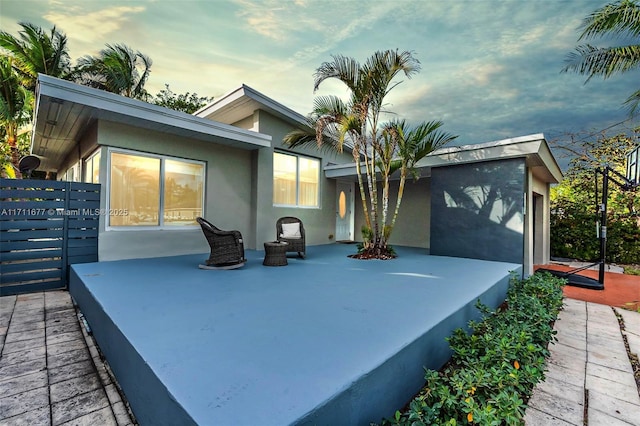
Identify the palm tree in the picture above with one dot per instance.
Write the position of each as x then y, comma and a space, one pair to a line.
622, 20
15, 107
356, 124
117, 69
36, 51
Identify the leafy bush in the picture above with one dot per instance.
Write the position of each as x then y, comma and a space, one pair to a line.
573, 235
494, 369
575, 201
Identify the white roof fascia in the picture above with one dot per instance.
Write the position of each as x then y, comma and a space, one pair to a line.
266, 102
518, 147
499, 150
111, 102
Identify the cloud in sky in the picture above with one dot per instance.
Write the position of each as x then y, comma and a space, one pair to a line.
91, 26
490, 69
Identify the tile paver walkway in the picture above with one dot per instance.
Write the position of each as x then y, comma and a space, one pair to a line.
50, 370
589, 367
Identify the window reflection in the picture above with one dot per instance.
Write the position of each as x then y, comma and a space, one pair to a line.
134, 189
284, 179
295, 180
183, 184
135, 197
92, 168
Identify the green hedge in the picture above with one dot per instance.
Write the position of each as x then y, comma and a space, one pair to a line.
573, 236
494, 369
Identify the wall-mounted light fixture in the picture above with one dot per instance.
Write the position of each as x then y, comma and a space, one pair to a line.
53, 115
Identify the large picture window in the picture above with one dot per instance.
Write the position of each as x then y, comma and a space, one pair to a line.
295, 180
154, 191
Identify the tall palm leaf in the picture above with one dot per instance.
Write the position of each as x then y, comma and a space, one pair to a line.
36, 51
356, 123
620, 19
15, 106
117, 69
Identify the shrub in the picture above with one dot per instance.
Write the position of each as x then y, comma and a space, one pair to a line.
494, 369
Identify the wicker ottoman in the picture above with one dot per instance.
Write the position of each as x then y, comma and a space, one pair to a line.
275, 254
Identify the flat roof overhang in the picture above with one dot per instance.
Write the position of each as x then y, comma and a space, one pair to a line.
64, 110
533, 148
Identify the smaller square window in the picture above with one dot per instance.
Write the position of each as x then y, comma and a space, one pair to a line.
296, 180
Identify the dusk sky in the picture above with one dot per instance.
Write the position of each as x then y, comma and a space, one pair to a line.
490, 69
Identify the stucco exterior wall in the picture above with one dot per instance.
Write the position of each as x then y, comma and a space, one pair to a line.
82, 149
477, 210
412, 225
319, 223
227, 199
537, 223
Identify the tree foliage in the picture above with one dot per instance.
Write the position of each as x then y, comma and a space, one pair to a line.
378, 149
117, 69
574, 205
35, 52
185, 102
15, 111
619, 20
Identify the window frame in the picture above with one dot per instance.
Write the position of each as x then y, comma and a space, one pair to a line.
162, 158
75, 170
297, 157
91, 160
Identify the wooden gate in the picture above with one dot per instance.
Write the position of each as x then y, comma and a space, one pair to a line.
45, 226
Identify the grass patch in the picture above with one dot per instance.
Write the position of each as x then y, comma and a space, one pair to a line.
494, 369
631, 269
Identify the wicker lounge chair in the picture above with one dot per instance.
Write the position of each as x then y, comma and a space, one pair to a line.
227, 249
291, 230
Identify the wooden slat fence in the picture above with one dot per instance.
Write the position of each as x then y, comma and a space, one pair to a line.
45, 226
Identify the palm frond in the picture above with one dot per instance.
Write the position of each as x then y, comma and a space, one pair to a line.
380, 70
35, 51
619, 19
633, 102
595, 61
323, 105
300, 137
420, 141
15, 100
321, 134
117, 69
344, 68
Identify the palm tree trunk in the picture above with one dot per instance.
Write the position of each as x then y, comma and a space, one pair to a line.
373, 222
12, 141
363, 195
373, 191
403, 178
385, 205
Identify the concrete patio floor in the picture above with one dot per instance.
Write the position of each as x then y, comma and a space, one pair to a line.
324, 340
52, 374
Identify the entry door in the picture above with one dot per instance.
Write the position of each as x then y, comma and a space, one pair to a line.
344, 211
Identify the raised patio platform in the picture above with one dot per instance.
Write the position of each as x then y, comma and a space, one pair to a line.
325, 340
